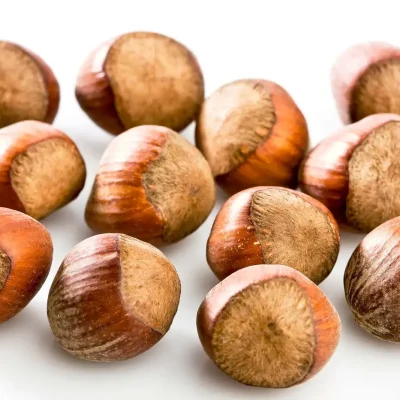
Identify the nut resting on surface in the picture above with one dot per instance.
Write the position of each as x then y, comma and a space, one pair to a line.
356, 172
252, 134
26, 253
273, 225
152, 184
41, 169
140, 78
269, 326
365, 80
28, 88
372, 282
113, 298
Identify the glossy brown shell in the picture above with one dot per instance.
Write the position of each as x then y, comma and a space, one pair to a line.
101, 327
233, 243
326, 319
276, 160
94, 92
15, 139
105, 214
51, 83
324, 171
29, 246
371, 282
349, 67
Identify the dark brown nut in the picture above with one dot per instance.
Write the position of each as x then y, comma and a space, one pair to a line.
140, 78
41, 168
372, 280
269, 326
252, 134
113, 298
36, 96
356, 172
152, 184
26, 254
273, 225
365, 81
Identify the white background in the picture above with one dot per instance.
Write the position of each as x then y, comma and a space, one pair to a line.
292, 43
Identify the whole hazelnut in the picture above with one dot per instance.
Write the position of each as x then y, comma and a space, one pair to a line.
371, 282
273, 225
269, 326
28, 88
41, 169
140, 78
252, 134
152, 184
356, 172
365, 80
113, 298
26, 254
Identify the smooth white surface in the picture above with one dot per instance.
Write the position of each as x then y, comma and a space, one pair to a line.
293, 43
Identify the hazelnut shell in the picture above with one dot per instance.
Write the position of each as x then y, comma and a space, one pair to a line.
325, 173
371, 282
113, 298
253, 134
272, 225
26, 253
348, 69
233, 296
152, 184
41, 168
48, 90
119, 85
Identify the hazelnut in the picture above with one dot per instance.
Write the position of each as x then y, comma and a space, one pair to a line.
152, 184
28, 88
41, 169
252, 134
26, 254
273, 225
140, 78
355, 172
365, 80
371, 282
113, 298
268, 325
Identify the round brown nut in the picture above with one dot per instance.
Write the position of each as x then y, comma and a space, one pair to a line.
365, 80
41, 168
273, 225
113, 298
26, 254
140, 78
356, 172
269, 326
371, 282
28, 88
252, 134
152, 184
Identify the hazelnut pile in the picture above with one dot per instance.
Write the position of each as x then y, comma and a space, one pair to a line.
115, 295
